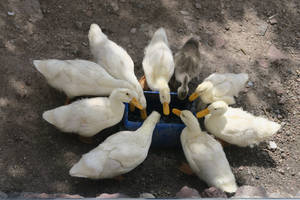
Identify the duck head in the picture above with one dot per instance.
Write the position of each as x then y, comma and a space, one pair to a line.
127, 95
183, 90
187, 117
216, 108
203, 87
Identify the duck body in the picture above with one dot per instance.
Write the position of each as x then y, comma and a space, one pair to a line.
87, 117
187, 66
78, 77
118, 154
114, 59
205, 155
240, 128
221, 87
158, 65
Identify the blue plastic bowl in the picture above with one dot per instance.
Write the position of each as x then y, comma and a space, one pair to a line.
166, 134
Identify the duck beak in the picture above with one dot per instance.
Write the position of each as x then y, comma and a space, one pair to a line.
131, 107
176, 112
143, 114
166, 108
193, 96
136, 103
202, 113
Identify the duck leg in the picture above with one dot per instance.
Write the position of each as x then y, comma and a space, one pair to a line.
143, 83
186, 169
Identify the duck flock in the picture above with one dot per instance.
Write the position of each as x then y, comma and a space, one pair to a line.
112, 77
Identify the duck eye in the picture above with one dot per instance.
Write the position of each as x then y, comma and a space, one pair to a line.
127, 93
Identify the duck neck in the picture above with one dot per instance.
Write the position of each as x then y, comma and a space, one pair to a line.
115, 102
145, 132
194, 129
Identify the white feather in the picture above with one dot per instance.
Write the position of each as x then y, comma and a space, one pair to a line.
78, 77
118, 154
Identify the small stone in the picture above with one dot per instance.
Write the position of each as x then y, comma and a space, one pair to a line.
272, 145
187, 192
213, 192
248, 191
3, 195
11, 13
147, 196
227, 27
31, 195
133, 30
281, 171
184, 12
112, 196
250, 84
262, 28
273, 21
269, 95
84, 44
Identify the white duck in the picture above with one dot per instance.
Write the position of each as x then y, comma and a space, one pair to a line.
204, 154
115, 60
78, 77
118, 154
235, 126
87, 117
220, 87
158, 65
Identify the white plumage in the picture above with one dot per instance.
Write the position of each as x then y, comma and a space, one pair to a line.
118, 154
205, 155
114, 59
78, 77
220, 87
158, 65
87, 117
236, 126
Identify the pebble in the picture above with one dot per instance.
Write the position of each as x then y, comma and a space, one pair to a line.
250, 84
262, 28
147, 196
281, 171
272, 145
187, 192
184, 12
133, 30
273, 21
213, 192
248, 191
227, 28
11, 13
111, 196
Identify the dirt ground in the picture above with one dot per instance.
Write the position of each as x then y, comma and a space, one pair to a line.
236, 36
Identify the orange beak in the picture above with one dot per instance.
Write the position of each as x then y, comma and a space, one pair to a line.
136, 103
202, 113
193, 96
131, 107
166, 108
176, 111
143, 114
